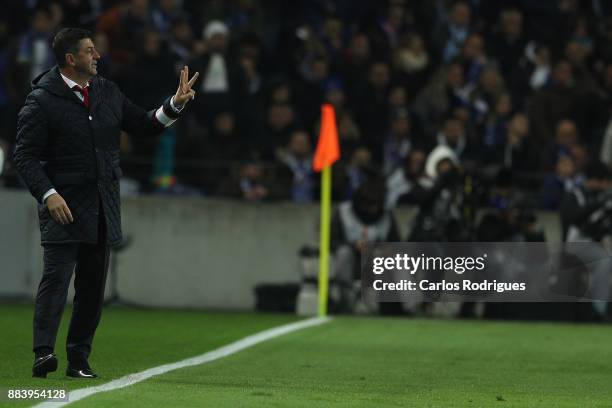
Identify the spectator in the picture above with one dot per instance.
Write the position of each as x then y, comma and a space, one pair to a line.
153, 74
351, 176
280, 122
180, 39
124, 25
452, 135
332, 39
250, 183
532, 73
494, 129
556, 184
334, 93
577, 54
520, 153
507, 45
348, 132
296, 170
311, 88
398, 98
398, 142
224, 143
540, 67
412, 61
214, 65
553, 103
356, 64
29, 55
371, 106
407, 183
394, 23
566, 137
450, 35
441, 95
473, 58
483, 98
164, 14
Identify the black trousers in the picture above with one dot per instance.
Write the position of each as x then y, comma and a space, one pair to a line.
90, 265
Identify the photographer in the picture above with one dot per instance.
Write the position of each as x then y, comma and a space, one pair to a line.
510, 217
444, 213
586, 216
355, 223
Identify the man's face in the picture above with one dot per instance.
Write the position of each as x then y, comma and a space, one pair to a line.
400, 126
86, 59
415, 162
562, 74
453, 131
379, 75
320, 70
444, 166
224, 124
460, 15
512, 24
218, 42
474, 47
360, 47
300, 145
454, 76
279, 117
567, 134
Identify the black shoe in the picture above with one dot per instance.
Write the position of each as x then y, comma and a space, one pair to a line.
43, 365
80, 371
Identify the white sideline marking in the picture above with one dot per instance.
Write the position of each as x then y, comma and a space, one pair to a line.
212, 355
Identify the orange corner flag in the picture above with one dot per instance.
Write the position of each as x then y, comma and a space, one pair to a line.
328, 148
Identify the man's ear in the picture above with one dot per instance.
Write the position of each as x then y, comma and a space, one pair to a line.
70, 61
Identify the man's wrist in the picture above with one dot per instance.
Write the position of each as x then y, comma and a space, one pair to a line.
48, 194
175, 108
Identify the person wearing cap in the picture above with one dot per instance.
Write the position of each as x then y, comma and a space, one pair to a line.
67, 153
440, 217
216, 85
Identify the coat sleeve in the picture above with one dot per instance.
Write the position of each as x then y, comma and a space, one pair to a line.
32, 136
137, 121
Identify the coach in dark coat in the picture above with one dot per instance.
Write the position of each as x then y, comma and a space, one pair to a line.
67, 153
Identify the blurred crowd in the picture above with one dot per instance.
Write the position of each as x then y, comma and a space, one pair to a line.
519, 91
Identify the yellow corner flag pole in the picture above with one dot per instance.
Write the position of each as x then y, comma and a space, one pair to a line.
324, 239
328, 152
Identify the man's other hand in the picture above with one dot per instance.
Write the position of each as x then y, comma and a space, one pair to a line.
59, 209
184, 93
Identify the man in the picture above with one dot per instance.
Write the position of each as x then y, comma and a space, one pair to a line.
67, 153
586, 217
441, 201
355, 223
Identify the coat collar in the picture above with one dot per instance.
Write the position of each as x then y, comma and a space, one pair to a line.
52, 81
71, 84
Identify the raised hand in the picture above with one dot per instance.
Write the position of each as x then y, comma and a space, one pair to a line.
184, 93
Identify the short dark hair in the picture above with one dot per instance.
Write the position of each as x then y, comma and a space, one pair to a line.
67, 41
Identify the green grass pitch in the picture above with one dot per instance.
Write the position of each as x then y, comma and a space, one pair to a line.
352, 361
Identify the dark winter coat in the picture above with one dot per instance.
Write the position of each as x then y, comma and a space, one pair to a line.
62, 144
